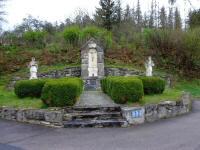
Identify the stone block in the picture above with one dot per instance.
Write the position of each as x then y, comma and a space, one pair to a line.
186, 98
21, 115
9, 113
35, 114
151, 112
134, 115
54, 116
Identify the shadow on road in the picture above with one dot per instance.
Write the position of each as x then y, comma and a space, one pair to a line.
8, 147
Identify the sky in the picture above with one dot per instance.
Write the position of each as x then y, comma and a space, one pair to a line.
59, 10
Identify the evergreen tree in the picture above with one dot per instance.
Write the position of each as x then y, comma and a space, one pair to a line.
127, 14
170, 22
194, 18
118, 12
177, 19
163, 18
133, 15
155, 14
138, 14
151, 19
145, 21
105, 16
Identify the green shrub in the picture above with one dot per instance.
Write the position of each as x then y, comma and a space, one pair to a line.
35, 39
153, 85
62, 92
29, 88
100, 34
123, 89
72, 34
89, 32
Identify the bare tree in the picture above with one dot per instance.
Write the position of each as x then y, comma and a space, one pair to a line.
2, 12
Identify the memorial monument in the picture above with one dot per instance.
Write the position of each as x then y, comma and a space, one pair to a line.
92, 64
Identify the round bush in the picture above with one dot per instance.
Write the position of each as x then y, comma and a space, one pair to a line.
29, 88
60, 93
153, 85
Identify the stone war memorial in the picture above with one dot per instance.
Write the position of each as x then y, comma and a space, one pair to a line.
92, 64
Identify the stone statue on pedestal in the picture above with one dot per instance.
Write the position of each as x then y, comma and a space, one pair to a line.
149, 67
92, 64
33, 69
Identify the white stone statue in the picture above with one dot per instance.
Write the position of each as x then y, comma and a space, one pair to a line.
149, 67
33, 69
92, 66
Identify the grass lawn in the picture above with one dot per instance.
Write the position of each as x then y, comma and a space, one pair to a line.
11, 100
168, 95
190, 86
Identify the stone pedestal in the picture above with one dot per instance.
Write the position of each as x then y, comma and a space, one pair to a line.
92, 83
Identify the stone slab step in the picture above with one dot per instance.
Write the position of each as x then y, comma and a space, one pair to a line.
95, 123
85, 109
97, 115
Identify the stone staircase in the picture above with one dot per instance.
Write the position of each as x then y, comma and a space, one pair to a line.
94, 116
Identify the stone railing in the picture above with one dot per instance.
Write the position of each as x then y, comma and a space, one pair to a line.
55, 117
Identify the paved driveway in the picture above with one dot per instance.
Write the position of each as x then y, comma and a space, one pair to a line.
182, 133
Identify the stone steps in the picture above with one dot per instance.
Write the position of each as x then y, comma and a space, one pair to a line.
97, 115
95, 123
94, 116
88, 109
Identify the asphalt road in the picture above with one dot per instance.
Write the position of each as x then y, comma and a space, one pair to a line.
181, 133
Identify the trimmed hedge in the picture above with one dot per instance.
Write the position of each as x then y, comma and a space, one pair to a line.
53, 92
123, 89
153, 85
29, 88
62, 92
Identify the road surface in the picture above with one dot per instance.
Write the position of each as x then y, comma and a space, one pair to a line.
181, 133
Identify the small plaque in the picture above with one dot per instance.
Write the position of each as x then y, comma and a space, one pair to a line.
137, 113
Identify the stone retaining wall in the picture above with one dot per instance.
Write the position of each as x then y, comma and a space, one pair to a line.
122, 72
51, 118
153, 112
67, 72
55, 117
76, 72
